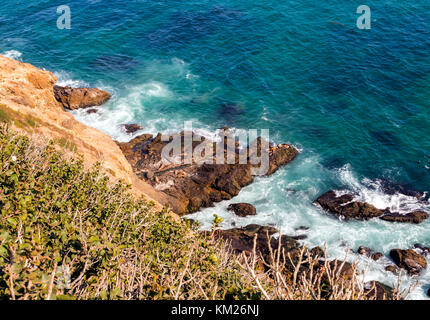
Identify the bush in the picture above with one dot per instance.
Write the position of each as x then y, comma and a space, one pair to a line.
67, 233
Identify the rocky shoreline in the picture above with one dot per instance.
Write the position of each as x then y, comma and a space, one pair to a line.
189, 187
195, 186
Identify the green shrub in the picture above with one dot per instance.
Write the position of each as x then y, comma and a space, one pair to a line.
67, 233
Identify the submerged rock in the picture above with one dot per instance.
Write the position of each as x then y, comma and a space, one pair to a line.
91, 111
78, 98
131, 128
393, 269
409, 260
243, 209
412, 217
369, 253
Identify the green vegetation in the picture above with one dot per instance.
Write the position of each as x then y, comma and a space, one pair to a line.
8, 115
66, 233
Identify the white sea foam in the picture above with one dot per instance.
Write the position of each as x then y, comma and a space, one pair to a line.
285, 201
13, 54
65, 79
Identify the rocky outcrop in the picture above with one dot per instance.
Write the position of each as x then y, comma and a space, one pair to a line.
412, 217
242, 209
78, 98
131, 128
375, 256
344, 206
409, 260
378, 291
196, 184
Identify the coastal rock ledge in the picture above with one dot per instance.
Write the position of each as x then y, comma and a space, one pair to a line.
344, 206
198, 184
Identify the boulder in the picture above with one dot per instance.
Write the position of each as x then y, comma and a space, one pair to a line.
378, 291
317, 252
393, 269
412, 217
409, 260
78, 98
243, 209
131, 128
91, 111
344, 206
369, 253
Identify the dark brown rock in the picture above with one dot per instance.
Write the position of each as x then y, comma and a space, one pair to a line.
317, 252
376, 256
412, 217
78, 98
199, 184
409, 260
378, 291
344, 206
91, 111
243, 209
242, 239
132, 128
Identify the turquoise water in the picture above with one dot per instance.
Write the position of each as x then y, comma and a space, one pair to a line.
356, 102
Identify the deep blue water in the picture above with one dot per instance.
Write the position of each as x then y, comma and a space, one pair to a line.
356, 102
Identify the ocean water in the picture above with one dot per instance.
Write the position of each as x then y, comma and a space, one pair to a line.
355, 102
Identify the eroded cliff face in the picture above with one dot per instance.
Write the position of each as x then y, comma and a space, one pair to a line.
28, 103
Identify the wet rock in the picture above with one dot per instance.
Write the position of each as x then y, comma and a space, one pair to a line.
345, 269
243, 209
393, 269
242, 239
78, 98
412, 217
369, 253
409, 260
301, 228
378, 291
201, 183
344, 206
317, 252
91, 111
131, 128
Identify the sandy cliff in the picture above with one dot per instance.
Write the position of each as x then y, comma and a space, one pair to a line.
27, 101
